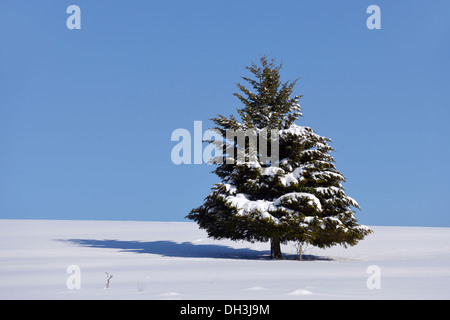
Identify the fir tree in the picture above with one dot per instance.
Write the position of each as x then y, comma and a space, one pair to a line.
299, 198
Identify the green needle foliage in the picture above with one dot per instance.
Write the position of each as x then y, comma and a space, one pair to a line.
298, 198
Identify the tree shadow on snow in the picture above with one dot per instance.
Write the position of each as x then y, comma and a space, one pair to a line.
174, 249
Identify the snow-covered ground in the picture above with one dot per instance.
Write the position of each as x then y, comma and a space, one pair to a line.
175, 260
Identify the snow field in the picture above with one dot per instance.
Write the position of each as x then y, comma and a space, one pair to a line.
176, 260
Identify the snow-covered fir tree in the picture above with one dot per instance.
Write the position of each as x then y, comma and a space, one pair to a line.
298, 198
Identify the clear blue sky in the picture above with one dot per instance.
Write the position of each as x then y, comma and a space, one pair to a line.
86, 115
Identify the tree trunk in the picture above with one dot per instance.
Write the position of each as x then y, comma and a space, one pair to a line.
300, 252
275, 248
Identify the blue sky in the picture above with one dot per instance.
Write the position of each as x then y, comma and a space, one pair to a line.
86, 115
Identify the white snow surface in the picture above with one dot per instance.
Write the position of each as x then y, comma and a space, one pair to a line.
176, 260
245, 206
